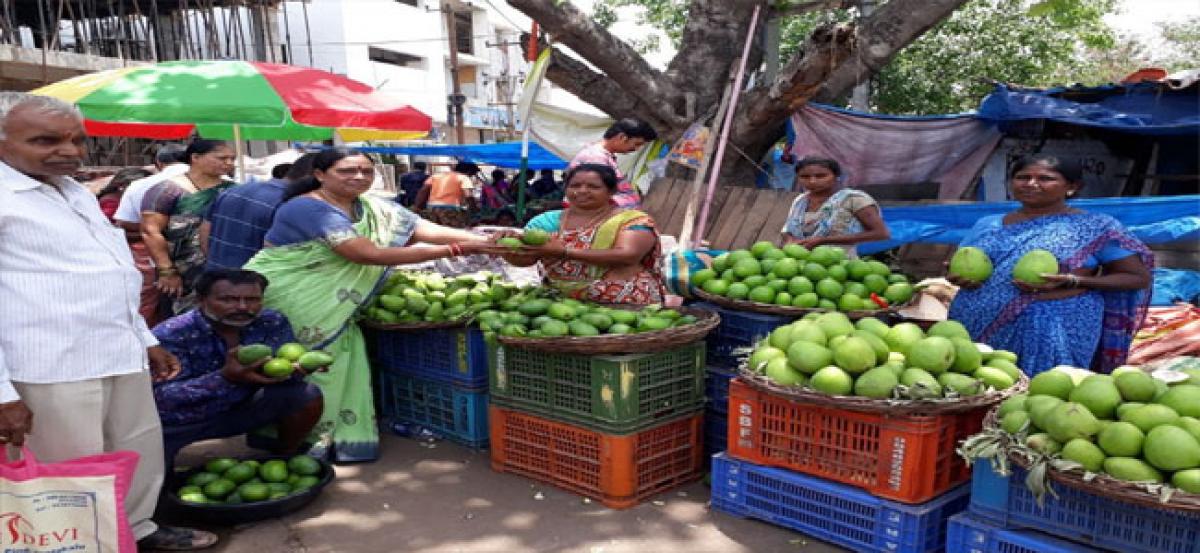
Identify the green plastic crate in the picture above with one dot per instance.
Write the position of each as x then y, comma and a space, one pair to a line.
609, 393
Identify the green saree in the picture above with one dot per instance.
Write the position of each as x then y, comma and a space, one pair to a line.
321, 293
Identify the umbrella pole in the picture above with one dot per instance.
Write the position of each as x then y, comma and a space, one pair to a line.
521, 179
240, 149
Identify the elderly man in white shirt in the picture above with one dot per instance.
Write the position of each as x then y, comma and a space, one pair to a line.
74, 353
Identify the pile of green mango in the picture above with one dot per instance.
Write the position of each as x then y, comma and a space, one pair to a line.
535, 315
793, 276
433, 298
232, 482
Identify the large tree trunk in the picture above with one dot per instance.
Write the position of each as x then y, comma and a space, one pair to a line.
833, 60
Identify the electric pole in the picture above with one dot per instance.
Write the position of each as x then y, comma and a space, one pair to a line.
456, 96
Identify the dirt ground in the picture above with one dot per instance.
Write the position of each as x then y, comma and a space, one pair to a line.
446, 498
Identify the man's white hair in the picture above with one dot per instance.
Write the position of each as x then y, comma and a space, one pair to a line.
43, 104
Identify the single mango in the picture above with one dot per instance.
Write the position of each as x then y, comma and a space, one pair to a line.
535, 237
250, 354
1033, 265
971, 264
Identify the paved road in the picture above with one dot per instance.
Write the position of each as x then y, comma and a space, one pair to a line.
447, 499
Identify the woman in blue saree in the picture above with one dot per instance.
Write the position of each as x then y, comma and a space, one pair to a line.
1084, 316
326, 257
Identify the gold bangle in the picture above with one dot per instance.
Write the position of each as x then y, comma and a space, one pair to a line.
167, 271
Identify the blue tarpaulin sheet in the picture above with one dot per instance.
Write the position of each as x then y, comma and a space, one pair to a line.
501, 154
1173, 285
1146, 108
1154, 220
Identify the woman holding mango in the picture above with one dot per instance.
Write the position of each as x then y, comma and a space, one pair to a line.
594, 250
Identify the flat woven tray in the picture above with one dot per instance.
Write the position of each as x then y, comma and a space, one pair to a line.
414, 327
898, 407
642, 342
1106, 486
785, 311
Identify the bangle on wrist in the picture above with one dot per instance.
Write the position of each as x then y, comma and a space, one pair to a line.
167, 271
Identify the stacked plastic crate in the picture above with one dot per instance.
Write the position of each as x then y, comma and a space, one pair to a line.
1004, 516
616, 428
434, 379
727, 344
867, 481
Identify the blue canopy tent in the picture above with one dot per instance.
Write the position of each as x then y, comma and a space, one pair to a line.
506, 155
1147, 108
1154, 220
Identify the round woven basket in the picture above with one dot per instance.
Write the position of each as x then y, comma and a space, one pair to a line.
1106, 486
899, 407
414, 327
786, 311
642, 342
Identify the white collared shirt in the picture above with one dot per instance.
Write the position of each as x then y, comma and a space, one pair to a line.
69, 291
129, 209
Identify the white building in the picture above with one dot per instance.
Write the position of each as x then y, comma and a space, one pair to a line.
401, 47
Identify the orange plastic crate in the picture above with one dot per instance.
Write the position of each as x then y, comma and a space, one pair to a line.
619, 471
909, 459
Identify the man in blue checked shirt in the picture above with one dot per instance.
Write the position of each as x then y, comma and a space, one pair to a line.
216, 396
237, 221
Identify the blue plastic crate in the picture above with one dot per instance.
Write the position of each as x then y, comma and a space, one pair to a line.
716, 431
451, 355
842, 515
738, 329
967, 534
716, 387
1080, 516
458, 414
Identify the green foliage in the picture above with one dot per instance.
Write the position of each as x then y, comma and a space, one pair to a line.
668, 16
946, 70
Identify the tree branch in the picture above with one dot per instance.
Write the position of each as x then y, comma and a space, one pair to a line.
616, 59
763, 108
600, 91
881, 36
711, 42
802, 8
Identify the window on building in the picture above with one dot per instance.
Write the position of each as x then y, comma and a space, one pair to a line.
462, 30
392, 57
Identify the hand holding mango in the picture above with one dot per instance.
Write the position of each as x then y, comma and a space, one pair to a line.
531, 237
288, 358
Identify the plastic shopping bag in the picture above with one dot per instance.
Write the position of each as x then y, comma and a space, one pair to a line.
76, 505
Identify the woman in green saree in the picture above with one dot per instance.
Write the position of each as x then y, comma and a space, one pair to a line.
327, 254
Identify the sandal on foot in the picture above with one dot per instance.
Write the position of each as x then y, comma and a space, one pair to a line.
171, 538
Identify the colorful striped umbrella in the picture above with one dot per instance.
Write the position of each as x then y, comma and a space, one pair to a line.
220, 99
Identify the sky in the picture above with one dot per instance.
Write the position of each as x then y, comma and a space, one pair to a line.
1139, 17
